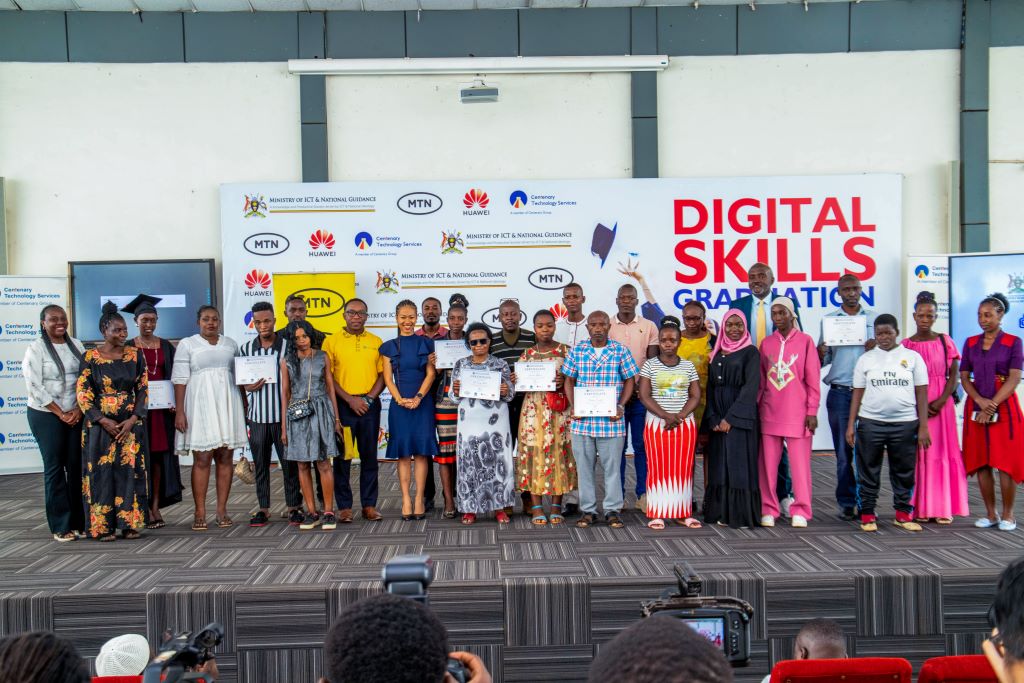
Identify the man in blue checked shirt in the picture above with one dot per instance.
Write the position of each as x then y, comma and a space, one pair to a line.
599, 362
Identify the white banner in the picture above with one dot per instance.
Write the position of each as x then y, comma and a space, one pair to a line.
21, 300
691, 238
927, 273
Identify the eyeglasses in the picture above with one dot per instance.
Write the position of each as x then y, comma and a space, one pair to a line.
479, 342
357, 314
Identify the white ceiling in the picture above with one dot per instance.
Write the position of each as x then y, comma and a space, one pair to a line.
372, 5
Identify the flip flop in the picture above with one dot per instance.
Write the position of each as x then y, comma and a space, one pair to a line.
656, 524
199, 524
156, 524
224, 522
689, 523
943, 520
539, 519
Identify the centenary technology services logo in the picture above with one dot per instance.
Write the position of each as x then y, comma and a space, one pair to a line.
255, 205
266, 244
321, 243
921, 271
451, 241
257, 279
387, 282
247, 319
419, 203
518, 199
476, 202
363, 241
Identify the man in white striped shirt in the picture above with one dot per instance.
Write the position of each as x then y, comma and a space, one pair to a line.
263, 416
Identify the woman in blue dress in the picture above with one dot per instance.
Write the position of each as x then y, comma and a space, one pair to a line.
409, 375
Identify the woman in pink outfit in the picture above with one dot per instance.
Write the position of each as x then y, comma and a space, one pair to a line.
788, 405
940, 490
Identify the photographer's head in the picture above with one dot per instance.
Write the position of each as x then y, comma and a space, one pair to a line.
820, 639
1005, 649
370, 636
41, 657
660, 649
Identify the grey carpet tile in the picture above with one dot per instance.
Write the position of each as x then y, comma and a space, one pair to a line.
297, 662
537, 551
299, 619
551, 610
567, 664
467, 570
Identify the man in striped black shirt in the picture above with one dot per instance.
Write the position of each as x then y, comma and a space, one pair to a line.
263, 415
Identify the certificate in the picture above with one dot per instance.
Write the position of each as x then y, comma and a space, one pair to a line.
535, 376
161, 395
485, 384
595, 401
251, 369
448, 352
844, 330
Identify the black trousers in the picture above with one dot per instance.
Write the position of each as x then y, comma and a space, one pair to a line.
365, 429
61, 447
262, 438
874, 439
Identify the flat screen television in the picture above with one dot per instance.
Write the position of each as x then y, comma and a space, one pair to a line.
182, 285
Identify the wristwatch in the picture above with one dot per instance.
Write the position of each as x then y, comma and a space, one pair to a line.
368, 400
419, 394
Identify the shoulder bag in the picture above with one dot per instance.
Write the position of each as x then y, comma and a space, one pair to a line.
302, 408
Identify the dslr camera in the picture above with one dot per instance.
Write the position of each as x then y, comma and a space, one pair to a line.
724, 621
410, 576
183, 652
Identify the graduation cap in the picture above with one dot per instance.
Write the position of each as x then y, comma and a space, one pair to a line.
143, 303
602, 241
458, 299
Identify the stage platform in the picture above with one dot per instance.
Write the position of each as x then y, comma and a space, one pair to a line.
534, 602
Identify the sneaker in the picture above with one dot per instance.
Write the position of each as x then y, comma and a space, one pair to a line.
65, 537
767, 520
259, 519
785, 504
329, 521
799, 521
868, 523
905, 520
641, 502
310, 521
847, 515
295, 517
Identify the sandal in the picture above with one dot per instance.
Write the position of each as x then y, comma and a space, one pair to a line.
943, 520
106, 538
199, 524
468, 518
502, 517
656, 524
130, 534
556, 517
448, 514
156, 524
689, 523
539, 519
614, 521
587, 519
224, 522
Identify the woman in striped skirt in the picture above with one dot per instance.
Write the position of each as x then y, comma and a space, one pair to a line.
446, 414
670, 390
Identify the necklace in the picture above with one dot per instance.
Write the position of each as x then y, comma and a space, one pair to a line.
151, 363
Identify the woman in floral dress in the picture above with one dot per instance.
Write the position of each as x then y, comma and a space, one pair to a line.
545, 464
112, 393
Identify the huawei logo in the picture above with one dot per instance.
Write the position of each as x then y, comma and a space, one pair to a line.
560, 312
475, 199
321, 239
257, 278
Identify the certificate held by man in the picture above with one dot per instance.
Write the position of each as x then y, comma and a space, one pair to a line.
449, 351
161, 395
844, 330
482, 384
595, 401
251, 369
535, 376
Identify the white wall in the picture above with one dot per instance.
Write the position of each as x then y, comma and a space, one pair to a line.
1006, 147
124, 161
816, 114
543, 126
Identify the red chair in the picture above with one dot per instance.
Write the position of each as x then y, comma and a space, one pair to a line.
857, 670
117, 679
959, 669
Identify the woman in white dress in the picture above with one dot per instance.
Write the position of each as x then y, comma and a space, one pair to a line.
210, 418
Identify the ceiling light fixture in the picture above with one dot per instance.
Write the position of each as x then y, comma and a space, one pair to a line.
476, 65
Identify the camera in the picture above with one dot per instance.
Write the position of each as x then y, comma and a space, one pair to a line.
724, 621
409, 576
182, 652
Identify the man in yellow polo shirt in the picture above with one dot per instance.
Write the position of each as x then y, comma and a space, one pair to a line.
356, 365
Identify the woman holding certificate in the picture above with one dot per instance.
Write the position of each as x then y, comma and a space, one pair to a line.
408, 375
446, 413
545, 464
670, 390
733, 496
162, 464
112, 395
210, 418
482, 386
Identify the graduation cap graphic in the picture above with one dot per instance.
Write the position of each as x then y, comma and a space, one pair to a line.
602, 241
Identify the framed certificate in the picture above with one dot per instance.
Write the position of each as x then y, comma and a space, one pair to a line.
844, 330
251, 369
595, 401
161, 395
449, 351
485, 384
535, 376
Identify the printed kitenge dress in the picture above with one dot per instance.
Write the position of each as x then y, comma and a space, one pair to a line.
545, 463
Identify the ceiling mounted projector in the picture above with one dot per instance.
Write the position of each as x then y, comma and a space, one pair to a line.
478, 91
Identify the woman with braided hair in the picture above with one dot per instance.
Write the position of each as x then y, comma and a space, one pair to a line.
112, 393
51, 369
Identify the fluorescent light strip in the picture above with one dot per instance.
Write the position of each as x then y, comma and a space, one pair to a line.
477, 65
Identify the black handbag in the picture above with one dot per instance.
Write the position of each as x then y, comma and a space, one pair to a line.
945, 358
302, 408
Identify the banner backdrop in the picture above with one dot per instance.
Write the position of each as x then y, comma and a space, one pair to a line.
927, 273
21, 300
325, 295
678, 239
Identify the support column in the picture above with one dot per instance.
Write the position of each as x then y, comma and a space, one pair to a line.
313, 99
974, 73
644, 94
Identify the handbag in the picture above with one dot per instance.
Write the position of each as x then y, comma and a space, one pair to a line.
244, 472
556, 400
301, 408
945, 359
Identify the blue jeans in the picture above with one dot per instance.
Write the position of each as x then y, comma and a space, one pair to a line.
838, 405
635, 415
784, 482
588, 450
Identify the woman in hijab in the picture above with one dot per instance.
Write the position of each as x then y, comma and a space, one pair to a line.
733, 496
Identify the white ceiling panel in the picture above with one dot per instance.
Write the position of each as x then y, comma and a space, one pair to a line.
106, 5
390, 5
7, 4
222, 5
614, 3
331, 5
280, 5
555, 4
448, 4
59, 5
165, 5
503, 4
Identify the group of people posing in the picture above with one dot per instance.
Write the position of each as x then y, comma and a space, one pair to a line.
747, 397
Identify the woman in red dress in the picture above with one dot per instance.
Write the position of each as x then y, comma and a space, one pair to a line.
993, 423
